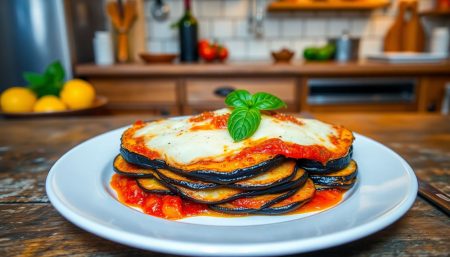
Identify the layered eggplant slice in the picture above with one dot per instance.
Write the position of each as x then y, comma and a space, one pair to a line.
251, 204
315, 167
300, 197
153, 186
257, 202
214, 176
226, 194
337, 185
344, 175
123, 167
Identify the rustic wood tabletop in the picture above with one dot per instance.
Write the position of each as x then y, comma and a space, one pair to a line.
30, 226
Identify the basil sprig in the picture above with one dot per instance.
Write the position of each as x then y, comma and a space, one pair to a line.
246, 116
48, 83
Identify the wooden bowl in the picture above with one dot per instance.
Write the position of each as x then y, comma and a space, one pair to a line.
151, 58
99, 102
283, 56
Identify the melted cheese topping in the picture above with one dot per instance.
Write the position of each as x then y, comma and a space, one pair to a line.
178, 144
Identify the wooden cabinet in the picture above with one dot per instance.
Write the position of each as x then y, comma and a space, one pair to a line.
156, 96
192, 88
209, 94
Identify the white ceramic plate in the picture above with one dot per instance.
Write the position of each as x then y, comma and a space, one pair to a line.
78, 187
407, 57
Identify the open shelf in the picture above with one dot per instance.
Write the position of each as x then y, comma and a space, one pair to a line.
304, 5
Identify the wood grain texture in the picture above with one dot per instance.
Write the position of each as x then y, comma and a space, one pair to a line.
30, 226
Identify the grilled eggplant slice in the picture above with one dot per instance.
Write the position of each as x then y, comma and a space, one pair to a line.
300, 197
246, 205
122, 167
174, 178
226, 194
331, 166
276, 176
152, 185
213, 176
337, 185
341, 176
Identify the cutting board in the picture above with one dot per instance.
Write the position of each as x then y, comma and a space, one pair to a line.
413, 32
405, 35
393, 41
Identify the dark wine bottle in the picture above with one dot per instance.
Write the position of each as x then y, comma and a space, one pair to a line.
188, 27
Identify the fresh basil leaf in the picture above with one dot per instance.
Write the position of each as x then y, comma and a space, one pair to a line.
266, 102
56, 71
239, 98
243, 123
34, 78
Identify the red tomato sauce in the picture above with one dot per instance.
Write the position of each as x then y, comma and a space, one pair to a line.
174, 207
216, 122
163, 206
286, 117
276, 146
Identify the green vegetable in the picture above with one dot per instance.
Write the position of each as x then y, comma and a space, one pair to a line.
48, 83
310, 53
319, 53
246, 116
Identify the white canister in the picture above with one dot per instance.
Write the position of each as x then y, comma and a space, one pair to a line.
439, 41
103, 48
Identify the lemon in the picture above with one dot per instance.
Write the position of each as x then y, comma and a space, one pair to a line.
49, 103
17, 99
77, 94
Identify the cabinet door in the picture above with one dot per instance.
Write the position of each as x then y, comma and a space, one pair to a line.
209, 94
153, 96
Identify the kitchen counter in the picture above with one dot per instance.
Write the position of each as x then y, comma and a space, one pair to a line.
191, 88
361, 68
30, 226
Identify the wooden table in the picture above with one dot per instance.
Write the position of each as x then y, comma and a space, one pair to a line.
30, 226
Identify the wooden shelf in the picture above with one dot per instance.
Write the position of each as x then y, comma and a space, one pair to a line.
435, 13
305, 5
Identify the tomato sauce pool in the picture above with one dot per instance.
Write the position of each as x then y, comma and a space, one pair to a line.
173, 207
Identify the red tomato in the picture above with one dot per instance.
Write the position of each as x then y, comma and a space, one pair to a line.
203, 43
171, 207
153, 205
208, 53
222, 53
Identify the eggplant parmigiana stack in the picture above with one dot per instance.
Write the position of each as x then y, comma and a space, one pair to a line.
276, 170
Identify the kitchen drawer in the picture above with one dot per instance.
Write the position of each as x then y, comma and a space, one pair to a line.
207, 94
139, 95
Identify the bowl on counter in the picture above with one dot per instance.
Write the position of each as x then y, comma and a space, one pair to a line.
99, 103
153, 58
283, 56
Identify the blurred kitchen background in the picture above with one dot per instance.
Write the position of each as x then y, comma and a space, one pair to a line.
338, 48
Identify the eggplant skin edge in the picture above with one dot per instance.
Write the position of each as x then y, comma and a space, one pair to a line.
333, 180
282, 209
160, 192
206, 175
331, 166
248, 210
130, 174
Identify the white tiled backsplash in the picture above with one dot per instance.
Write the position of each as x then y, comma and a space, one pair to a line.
226, 21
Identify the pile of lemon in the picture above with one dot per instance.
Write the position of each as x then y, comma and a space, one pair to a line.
76, 94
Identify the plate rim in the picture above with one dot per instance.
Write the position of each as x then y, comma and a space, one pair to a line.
249, 249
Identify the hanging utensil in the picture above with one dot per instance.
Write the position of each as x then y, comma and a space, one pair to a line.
160, 10
259, 19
